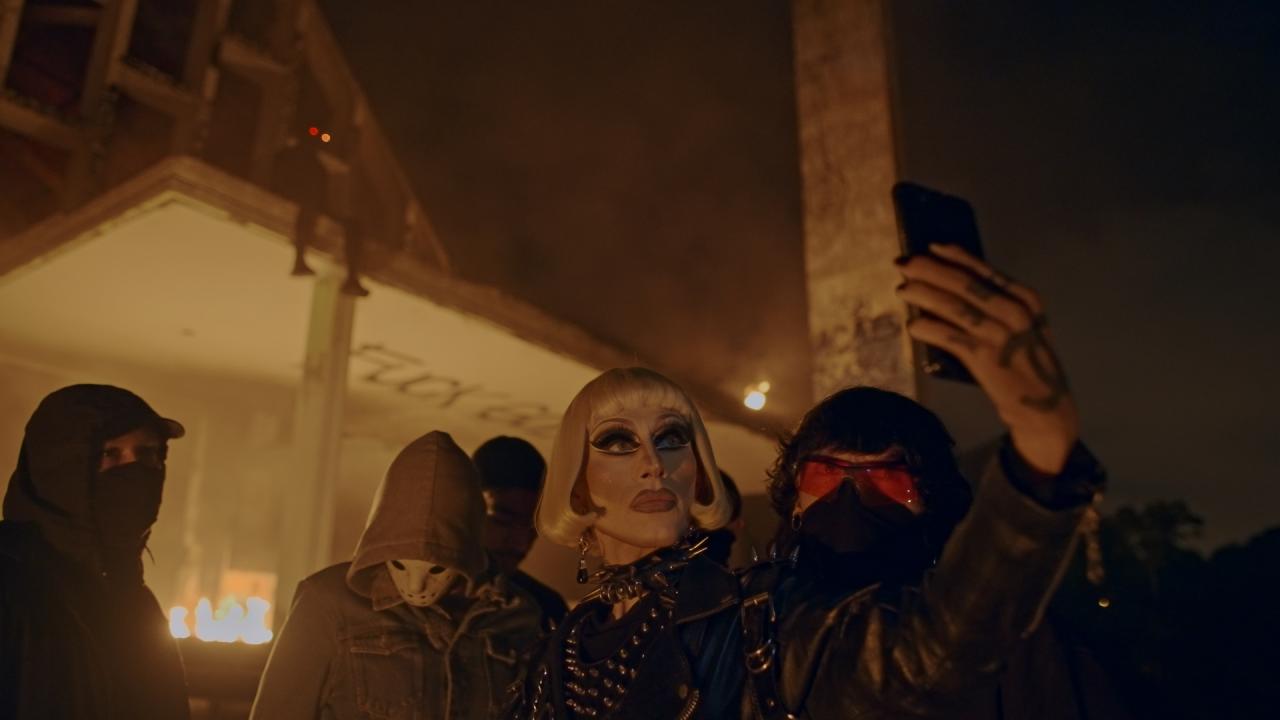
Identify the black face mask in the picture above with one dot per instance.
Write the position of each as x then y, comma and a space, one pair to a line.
126, 502
883, 542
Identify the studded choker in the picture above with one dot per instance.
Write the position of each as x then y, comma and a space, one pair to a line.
653, 573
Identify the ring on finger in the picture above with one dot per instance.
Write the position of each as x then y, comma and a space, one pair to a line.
972, 313
981, 289
999, 280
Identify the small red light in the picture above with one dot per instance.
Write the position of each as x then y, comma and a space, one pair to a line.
313, 131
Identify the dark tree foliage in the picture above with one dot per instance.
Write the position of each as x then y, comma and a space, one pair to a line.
1180, 635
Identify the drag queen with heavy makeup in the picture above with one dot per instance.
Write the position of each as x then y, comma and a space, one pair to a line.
632, 481
667, 633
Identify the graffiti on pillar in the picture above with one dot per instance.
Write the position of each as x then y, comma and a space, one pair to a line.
410, 376
860, 348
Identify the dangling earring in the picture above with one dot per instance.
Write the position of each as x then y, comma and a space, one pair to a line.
797, 518
583, 544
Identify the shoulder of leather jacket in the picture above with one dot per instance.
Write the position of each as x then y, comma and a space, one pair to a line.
706, 588
808, 620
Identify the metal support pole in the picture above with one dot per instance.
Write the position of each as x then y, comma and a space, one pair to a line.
110, 43
198, 74
306, 528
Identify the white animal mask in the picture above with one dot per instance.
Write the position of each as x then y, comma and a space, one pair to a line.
422, 583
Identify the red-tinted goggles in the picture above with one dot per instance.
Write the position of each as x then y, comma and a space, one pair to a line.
877, 483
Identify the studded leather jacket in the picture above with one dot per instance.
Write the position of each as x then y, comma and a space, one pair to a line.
925, 650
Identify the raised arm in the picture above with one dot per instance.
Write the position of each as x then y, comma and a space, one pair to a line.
916, 651
998, 328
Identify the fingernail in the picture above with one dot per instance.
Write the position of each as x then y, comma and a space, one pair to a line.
902, 260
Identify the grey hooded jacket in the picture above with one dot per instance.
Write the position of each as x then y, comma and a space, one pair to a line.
351, 647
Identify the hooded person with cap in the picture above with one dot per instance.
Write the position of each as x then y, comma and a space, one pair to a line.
511, 472
417, 625
81, 635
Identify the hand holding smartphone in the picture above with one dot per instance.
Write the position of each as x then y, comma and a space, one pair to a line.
998, 325
925, 217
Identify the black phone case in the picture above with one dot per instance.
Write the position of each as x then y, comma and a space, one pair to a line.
927, 216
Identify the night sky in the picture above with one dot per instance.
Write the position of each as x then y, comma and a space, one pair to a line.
632, 168
1124, 158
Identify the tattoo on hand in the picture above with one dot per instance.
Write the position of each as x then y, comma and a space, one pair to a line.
1043, 363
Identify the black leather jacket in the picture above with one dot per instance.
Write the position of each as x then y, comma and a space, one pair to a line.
75, 645
925, 650
81, 635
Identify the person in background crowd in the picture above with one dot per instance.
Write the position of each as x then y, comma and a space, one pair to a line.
81, 635
417, 625
720, 542
511, 472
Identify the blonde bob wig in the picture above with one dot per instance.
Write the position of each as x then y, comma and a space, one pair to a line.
613, 391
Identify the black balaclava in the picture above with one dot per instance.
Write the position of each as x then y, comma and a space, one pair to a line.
861, 544
126, 502
845, 541
97, 520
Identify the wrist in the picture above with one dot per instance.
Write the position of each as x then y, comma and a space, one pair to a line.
1079, 481
1044, 456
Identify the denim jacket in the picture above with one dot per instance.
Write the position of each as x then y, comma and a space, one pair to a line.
338, 657
352, 648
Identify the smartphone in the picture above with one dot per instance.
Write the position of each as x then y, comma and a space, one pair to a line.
927, 216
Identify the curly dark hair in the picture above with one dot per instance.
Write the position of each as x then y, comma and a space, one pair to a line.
870, 420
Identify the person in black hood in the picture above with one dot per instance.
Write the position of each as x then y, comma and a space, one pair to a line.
511, 472
869, 491
81, 635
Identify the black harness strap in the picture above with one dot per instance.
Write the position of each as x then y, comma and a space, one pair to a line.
760, 646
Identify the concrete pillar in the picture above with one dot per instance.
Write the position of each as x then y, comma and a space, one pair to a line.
848, 165
306, 527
